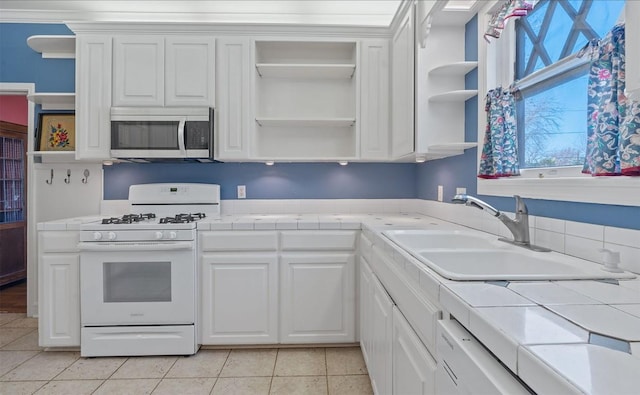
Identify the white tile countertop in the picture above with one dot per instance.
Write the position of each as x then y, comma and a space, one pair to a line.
557, 336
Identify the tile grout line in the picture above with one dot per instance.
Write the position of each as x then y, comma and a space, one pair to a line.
273, 371
326, 367
111, 375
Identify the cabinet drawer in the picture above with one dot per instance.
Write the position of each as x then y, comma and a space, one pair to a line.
339, 240
58, 241
238, 241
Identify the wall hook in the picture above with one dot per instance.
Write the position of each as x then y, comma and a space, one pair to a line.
86, 176
68, 179
50, 180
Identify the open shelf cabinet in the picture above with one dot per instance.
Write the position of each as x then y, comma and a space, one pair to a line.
305, 100
55, 47
54, 101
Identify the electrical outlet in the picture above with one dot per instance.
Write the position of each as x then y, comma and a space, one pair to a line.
440, 192
461, 191
242, 192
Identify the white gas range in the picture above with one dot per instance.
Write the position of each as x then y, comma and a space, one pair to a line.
138, 272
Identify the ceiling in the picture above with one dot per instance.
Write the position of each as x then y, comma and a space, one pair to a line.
308, 12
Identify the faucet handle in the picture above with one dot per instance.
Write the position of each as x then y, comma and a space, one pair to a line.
521, 207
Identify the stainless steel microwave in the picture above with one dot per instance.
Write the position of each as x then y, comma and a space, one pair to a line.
162, 132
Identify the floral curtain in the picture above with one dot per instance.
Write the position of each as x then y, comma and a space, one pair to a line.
613, 133
500, 148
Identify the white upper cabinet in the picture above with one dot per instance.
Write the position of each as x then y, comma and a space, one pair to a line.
93, 97
440, 80
632, 35
402, 88
190, 71
138, 71
163, 70
234, 98
305, 100
374, 99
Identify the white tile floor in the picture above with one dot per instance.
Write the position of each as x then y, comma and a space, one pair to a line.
26, 369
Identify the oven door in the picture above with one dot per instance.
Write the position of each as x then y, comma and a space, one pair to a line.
137, 283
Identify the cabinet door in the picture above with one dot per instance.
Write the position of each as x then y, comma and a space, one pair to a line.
233, 98
374, 99
632, 47
138, 75
366, 297
190, 71
317, 293
402, 122
381, 338
413, 367
59, 294
93, 97
239, 298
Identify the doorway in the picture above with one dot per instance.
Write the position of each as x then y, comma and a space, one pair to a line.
18, 271
13, 218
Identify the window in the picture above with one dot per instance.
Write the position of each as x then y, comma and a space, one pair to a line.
552, 110
496, 67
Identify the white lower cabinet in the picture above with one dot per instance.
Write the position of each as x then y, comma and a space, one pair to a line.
381, 355
317, 302
270, 287
413, 367
365, 297
59, 289
397, 359
239, 298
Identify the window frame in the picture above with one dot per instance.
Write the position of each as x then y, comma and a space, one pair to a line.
496, 67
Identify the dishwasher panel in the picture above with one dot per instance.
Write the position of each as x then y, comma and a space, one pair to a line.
466, 367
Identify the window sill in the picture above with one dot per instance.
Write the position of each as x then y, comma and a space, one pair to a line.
602, 190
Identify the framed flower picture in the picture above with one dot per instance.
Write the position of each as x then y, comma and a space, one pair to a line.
56, 132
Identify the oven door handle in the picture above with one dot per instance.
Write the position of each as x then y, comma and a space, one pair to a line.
128, 246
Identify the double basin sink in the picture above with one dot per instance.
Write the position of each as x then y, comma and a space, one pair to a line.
461, 255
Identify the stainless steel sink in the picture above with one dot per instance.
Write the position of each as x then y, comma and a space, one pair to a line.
459, 255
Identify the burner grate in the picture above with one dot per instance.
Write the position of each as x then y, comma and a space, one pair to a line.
182, 218
128, 219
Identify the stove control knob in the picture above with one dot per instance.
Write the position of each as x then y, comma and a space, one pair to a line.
173, 235
97, 236
111, 236
158, 235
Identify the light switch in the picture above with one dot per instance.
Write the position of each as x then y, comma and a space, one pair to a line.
440, 192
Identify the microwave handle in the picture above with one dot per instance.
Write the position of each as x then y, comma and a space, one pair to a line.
181, 144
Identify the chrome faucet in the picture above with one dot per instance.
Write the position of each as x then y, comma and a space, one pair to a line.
519, 226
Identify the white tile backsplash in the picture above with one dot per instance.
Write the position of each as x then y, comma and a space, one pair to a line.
552, 240
628, 237
583, 248
587, 231
550, 224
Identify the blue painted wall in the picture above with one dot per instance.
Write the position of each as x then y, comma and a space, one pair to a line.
280, 181
460, 171
19, 63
